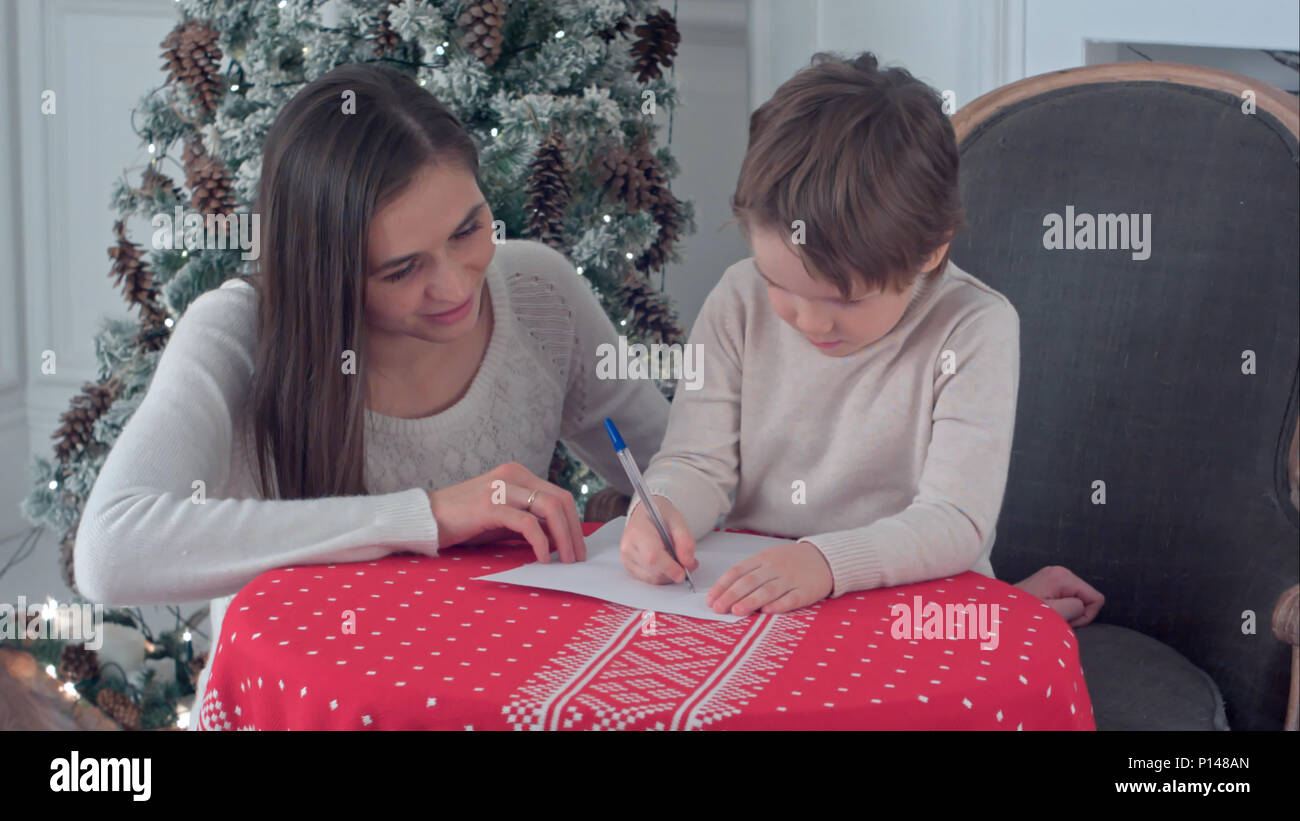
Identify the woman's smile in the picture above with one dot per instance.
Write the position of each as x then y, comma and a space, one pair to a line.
451, 317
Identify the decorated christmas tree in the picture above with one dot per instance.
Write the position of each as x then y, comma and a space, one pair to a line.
566, 100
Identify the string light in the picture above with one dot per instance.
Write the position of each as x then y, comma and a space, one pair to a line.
559, 35
629, 254
493, 132
579, 270
53, 485
606, 218
50, 671
152, 148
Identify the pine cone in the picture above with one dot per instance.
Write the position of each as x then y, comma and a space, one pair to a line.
656, 46
140, 290
66, 555
154, 332
386, 37
76, 425
155, 182
548, 193
652, 318
482, 21
120, 708
209, 179
194, 58
77, 663
622, 174
195, 667
619, 29
664, 207
129, 265
555, 473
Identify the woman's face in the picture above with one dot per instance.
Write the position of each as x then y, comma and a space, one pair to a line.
428, 253
815, 308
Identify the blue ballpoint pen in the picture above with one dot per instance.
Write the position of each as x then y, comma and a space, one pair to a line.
634, 474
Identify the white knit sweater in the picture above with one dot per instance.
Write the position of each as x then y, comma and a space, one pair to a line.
142, 540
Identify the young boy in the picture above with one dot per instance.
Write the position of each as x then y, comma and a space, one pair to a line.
859, 390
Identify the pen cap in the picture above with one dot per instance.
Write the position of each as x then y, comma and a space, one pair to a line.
613, 435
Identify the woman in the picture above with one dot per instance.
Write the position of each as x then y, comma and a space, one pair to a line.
391, 379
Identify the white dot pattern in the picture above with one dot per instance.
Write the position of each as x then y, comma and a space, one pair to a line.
438, 650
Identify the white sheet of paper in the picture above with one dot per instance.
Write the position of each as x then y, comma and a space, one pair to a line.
603, 576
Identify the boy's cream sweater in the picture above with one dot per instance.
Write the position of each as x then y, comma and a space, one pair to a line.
892, 461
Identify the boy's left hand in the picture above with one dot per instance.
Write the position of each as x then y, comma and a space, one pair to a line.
781, 578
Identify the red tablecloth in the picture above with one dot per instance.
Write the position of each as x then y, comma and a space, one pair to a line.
434, 649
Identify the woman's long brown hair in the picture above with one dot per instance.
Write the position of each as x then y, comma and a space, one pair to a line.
331, 160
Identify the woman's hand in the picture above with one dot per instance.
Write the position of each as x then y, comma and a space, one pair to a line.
643, 551
495, 505
781, 578
1064, 592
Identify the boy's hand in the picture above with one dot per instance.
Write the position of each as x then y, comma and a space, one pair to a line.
781, 578
1076, 600
643, 551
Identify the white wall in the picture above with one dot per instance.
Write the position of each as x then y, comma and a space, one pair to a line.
974, 46
709, 132
99, 57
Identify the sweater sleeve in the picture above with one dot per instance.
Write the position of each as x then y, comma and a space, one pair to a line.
943, 531
637, 406
146, 538
697, 467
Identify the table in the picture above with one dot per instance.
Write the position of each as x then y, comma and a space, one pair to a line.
412, 642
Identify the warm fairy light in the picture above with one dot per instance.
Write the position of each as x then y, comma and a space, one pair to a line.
629, 254
579, 270
186, 636
69, 689
606, 218
50, 671
53, 485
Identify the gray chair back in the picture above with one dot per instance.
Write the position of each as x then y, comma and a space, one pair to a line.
1164, 376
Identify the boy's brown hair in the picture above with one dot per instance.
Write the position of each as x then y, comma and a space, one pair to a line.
867, 158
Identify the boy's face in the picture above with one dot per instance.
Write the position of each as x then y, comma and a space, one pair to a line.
816, 310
